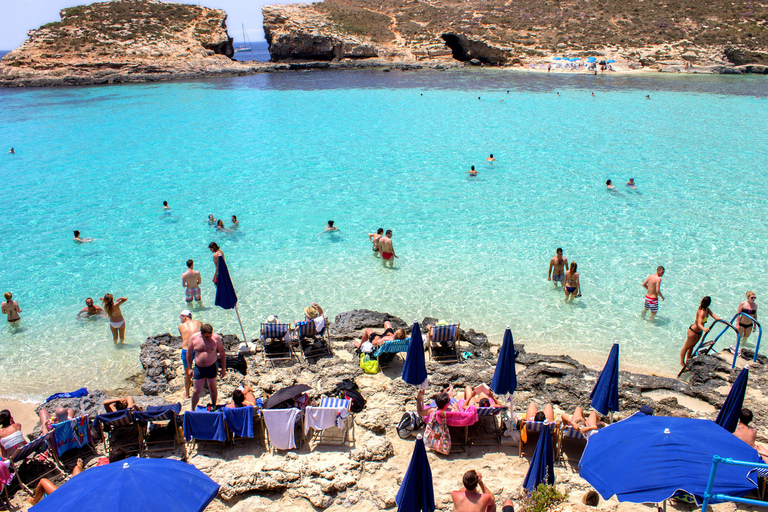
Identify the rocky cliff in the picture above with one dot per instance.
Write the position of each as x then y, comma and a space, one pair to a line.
123, 41
658, 34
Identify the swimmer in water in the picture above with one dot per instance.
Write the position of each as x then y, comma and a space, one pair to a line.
81, 240
631, 183
220, 227
610, 185
472, 171
12, 152
166, 207
329, 227
211, 220
490, 158
235, 222
647, 96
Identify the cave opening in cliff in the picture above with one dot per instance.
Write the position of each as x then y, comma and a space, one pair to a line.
453, 42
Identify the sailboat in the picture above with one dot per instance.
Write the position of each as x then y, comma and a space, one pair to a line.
246, 47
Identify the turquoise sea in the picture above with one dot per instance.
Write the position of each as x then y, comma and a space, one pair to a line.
286, 152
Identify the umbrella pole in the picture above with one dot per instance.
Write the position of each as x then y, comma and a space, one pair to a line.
245, 340
611, 411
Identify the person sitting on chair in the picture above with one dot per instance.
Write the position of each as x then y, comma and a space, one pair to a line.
11, 438
379, 339
546, 414
120, 404
748, 433
444, 401
60, 414
242, 397
480, 397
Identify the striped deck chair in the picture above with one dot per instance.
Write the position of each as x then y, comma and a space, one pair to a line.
483, 414
528, 427
29, 451
444, 347
567, 432
119, 429
71, 435
205, 428
314, 345
339, 433
392, 347
279, 348
151, 434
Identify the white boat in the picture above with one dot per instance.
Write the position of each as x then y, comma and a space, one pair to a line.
246, 47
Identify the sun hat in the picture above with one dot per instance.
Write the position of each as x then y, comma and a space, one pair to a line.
311, 312
272, 319
186, 313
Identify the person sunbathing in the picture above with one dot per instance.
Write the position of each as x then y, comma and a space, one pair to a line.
481, 396
120, 404
377, 339
578, 421
11, 437
60, 414
546, 414
242, 397
444, 401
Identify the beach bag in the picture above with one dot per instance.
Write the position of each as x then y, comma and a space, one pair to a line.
408, 423
369, 365
348, 390
436, 436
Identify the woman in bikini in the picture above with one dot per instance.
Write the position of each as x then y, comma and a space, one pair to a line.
696, 329
214, 247
116, 320
11, 308
578, 421
572, 287
11, 438
745, 324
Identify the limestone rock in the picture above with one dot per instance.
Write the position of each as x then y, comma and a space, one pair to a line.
375, 449
375, 420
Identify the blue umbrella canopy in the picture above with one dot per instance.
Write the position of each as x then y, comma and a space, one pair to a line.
415, 368
610, 61
646, 459
225, 291
134, 484
591, 59
605, 394
728, 417
542, 467
416, 493
504, 375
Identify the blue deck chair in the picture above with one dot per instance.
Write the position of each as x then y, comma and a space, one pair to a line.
71, 435
279, 348
444, 346
243, 423
392, 347
314, 344
205, 428
341, 432
118, 429
29, 450
148, 423
528, 427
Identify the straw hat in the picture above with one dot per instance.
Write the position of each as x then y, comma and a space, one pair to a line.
311, 312
272, 319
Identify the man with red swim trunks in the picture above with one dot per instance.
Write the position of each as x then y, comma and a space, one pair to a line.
652, 284
387, 251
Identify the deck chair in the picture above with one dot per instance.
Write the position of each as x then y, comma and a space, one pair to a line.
279, 348
330, 423
155, 425
528, 427
567, 432
483, 415
243, 423
23, 455
71, 435
313, 344
281, 425
391, 347
444, 347
119, 429
205, 428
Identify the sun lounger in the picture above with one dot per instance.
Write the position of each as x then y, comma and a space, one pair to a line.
279, 347
529, 427
313, 344
567, 432
205, 428
71, 435
392, 347
155, 437
243, 423
444, 347
119, 429
330, 423
281, 427
483, 415
29, 451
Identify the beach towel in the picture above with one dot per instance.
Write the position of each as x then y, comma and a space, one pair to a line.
240, 420
321, 418
205, 426
280, 423
74, 394
71, 434
5, 475
461, 418
158, 412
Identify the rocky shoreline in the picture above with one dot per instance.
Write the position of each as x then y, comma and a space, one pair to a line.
366, 474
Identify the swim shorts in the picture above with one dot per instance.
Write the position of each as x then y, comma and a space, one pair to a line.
652, 303
558, 277
184, 357
193, 293
508, 508
205, 372
387, 255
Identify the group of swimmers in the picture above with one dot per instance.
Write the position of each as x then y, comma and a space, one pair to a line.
472, 172
631, 184
219, 224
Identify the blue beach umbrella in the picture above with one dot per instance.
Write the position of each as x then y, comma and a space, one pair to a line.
416, 493
591, 59
605, 394
504, 375
610, 61
134, 484
415, 368
225, 293
542, 467
647, 459
728, 417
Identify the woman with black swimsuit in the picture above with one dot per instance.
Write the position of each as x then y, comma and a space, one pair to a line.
745, 324
697, 329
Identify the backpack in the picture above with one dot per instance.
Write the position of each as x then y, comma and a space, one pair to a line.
408, 423
348, 389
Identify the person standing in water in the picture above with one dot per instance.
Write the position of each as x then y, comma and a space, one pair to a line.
235, 223
387, 250
329, 228
652, 285
217, 253
166, 207
696, 329
572, 286
609, 185
374, 238
472, 171
557, 266
211, 220
745, 324
116, 320
11, 308
12, 152
490, 158
191, 281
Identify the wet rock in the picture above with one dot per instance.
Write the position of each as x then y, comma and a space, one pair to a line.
349, 323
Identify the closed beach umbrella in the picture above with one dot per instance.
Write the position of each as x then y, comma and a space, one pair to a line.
542, 467
647, 459
605, 394
416, 493
728, 417
225, 293
415, 368
134, 484
504, 376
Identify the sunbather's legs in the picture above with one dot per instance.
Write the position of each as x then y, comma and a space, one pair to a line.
549, 413
592, 419
387, 325
44, 417
531, 413
469, 394
44, 486
577, 418
79, 467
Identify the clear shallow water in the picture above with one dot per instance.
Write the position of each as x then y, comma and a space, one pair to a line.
286, 152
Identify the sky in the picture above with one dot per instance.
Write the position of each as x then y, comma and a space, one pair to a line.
19, 16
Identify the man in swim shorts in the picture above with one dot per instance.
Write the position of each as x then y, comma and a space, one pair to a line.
387, 251
556, 272
652, 284
191, 281
206, 345
187, 328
